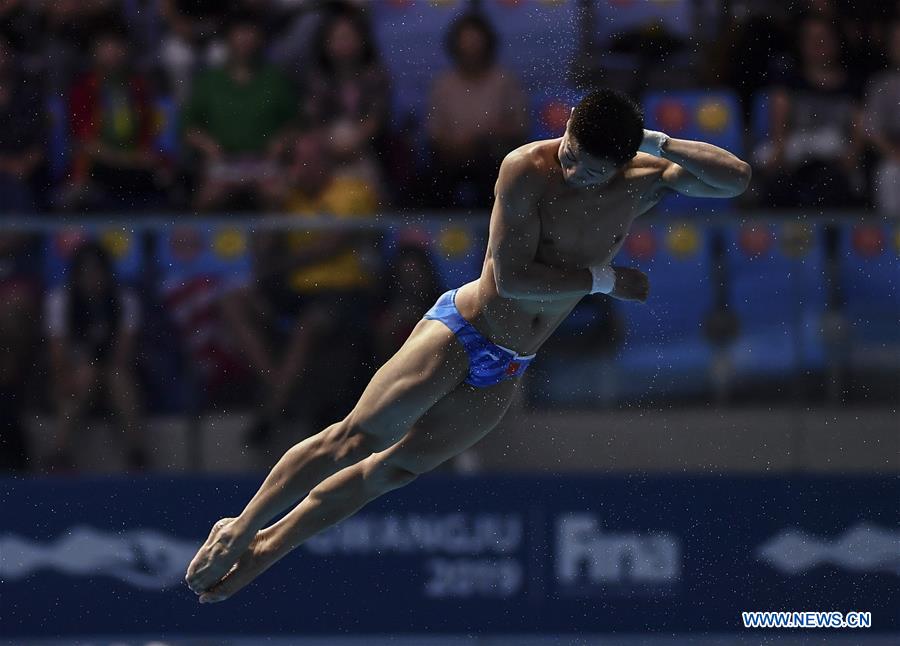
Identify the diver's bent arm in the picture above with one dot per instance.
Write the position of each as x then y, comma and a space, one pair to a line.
515, 233
537, 281
703, 170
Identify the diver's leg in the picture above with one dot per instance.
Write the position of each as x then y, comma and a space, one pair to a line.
430, 364
451, 426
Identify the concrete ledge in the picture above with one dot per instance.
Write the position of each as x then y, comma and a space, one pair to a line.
716, 439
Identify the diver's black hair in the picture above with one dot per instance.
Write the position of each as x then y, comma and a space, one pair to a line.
608, 124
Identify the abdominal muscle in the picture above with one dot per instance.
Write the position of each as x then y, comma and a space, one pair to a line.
520, 325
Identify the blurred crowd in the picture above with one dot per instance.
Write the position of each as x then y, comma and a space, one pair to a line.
284, 106
830, 73
278, 105
253, 105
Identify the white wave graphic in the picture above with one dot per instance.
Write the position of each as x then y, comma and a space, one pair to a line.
862, 548
145, 558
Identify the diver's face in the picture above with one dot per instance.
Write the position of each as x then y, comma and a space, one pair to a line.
581, 169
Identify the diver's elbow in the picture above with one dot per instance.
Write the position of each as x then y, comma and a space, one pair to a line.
507, 285
744, 175
505, 289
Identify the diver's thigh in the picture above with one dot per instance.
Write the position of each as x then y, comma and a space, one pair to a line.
430, 364
451, 426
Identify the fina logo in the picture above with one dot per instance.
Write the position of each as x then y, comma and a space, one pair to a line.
587, 558
862, 548
145, 558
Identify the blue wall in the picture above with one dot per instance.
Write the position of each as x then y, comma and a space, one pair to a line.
453, 555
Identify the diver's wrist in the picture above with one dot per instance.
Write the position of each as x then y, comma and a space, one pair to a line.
653, 142
603, 279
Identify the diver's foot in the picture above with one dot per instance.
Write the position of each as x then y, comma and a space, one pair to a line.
216, 556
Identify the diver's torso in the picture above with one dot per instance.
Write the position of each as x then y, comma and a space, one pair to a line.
579, 228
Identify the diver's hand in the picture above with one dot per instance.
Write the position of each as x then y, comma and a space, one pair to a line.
631, 285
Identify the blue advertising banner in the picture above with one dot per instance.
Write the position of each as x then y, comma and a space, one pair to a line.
446, 554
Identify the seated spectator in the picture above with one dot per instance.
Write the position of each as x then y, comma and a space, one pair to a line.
115, 162
92, 324
234, 119
191, 41
411, 288
19, 307
478, 113
348, 92
882, 128
310, 292
312, 183
292, 49
18, 24
813, 157
856, 27
65, 35
21, 138
761, 33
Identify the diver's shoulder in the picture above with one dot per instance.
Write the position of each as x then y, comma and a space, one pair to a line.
527, 161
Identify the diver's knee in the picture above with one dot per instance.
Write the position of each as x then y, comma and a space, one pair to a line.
385, 476
350, 441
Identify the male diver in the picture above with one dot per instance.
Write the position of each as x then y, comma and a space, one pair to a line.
561, 212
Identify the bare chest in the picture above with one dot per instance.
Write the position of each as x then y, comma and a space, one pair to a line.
582, 229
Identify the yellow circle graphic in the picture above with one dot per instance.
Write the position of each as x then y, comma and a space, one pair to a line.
230, 243
116, 242
454, 241
713, 115
683, 240
796, 239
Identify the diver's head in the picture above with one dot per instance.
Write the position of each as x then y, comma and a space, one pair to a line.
602, 135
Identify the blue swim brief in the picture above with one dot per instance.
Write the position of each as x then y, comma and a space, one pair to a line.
489, 363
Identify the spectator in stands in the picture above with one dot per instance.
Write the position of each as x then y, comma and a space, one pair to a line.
293, 50
311, 289
18, 24
92, 324
762, 36
235, 119
192, 41
115, 162
348, 92
856, 27
19, 306
21, 138
477, 113
314, 185
813, 157
411, 286
65, 34
882, 127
